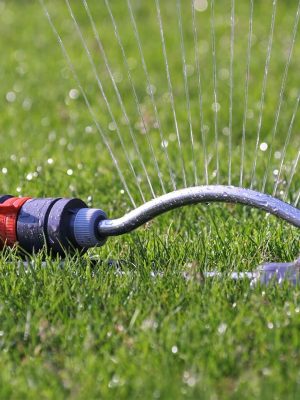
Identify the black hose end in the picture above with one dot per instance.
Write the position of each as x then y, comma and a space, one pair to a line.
48, 224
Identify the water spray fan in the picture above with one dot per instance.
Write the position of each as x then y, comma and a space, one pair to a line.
63, 225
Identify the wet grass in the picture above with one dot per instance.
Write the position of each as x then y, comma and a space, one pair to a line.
142, 322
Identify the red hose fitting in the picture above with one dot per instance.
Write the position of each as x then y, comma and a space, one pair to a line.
9, 211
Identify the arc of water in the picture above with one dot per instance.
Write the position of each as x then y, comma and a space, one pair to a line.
87, 102
286, 143
152, 97
246, 92
282, 89
186, 89
199, 83
264, 86
102, 91
297, 199
291, 177
187, 96
215, 89
137, 102
170, 87
118, 94
232, 22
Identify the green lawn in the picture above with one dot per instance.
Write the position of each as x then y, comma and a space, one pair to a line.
142, 322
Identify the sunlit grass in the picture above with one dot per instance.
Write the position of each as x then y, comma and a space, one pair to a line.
133, 325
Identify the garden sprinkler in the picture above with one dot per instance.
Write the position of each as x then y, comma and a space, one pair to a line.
65, 225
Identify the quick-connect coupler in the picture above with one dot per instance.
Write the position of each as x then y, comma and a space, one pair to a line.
58, 224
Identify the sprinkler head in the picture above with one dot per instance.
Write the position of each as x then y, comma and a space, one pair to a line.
63, 225
60, 225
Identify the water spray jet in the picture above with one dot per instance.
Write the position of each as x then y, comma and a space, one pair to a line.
67, 225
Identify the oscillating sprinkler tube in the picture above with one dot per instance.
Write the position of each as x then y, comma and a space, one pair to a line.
66, 225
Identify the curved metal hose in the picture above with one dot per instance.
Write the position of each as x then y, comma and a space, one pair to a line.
194, 195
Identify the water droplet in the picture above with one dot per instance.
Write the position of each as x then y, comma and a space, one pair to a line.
200, 5
266, 371
27, 103
172, 137
174, 349
11, 96
215, 107
151, 89
118, 77
112, 126
149, 323
114, 382
222, 328
52, 136
226, 131
88, 129
189, 378
73, 94
270, 325
263, 146
164, 144
277, 155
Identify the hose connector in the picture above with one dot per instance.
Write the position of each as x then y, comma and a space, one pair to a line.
59, 225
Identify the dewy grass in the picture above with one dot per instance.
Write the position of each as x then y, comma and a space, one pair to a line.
142, 322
